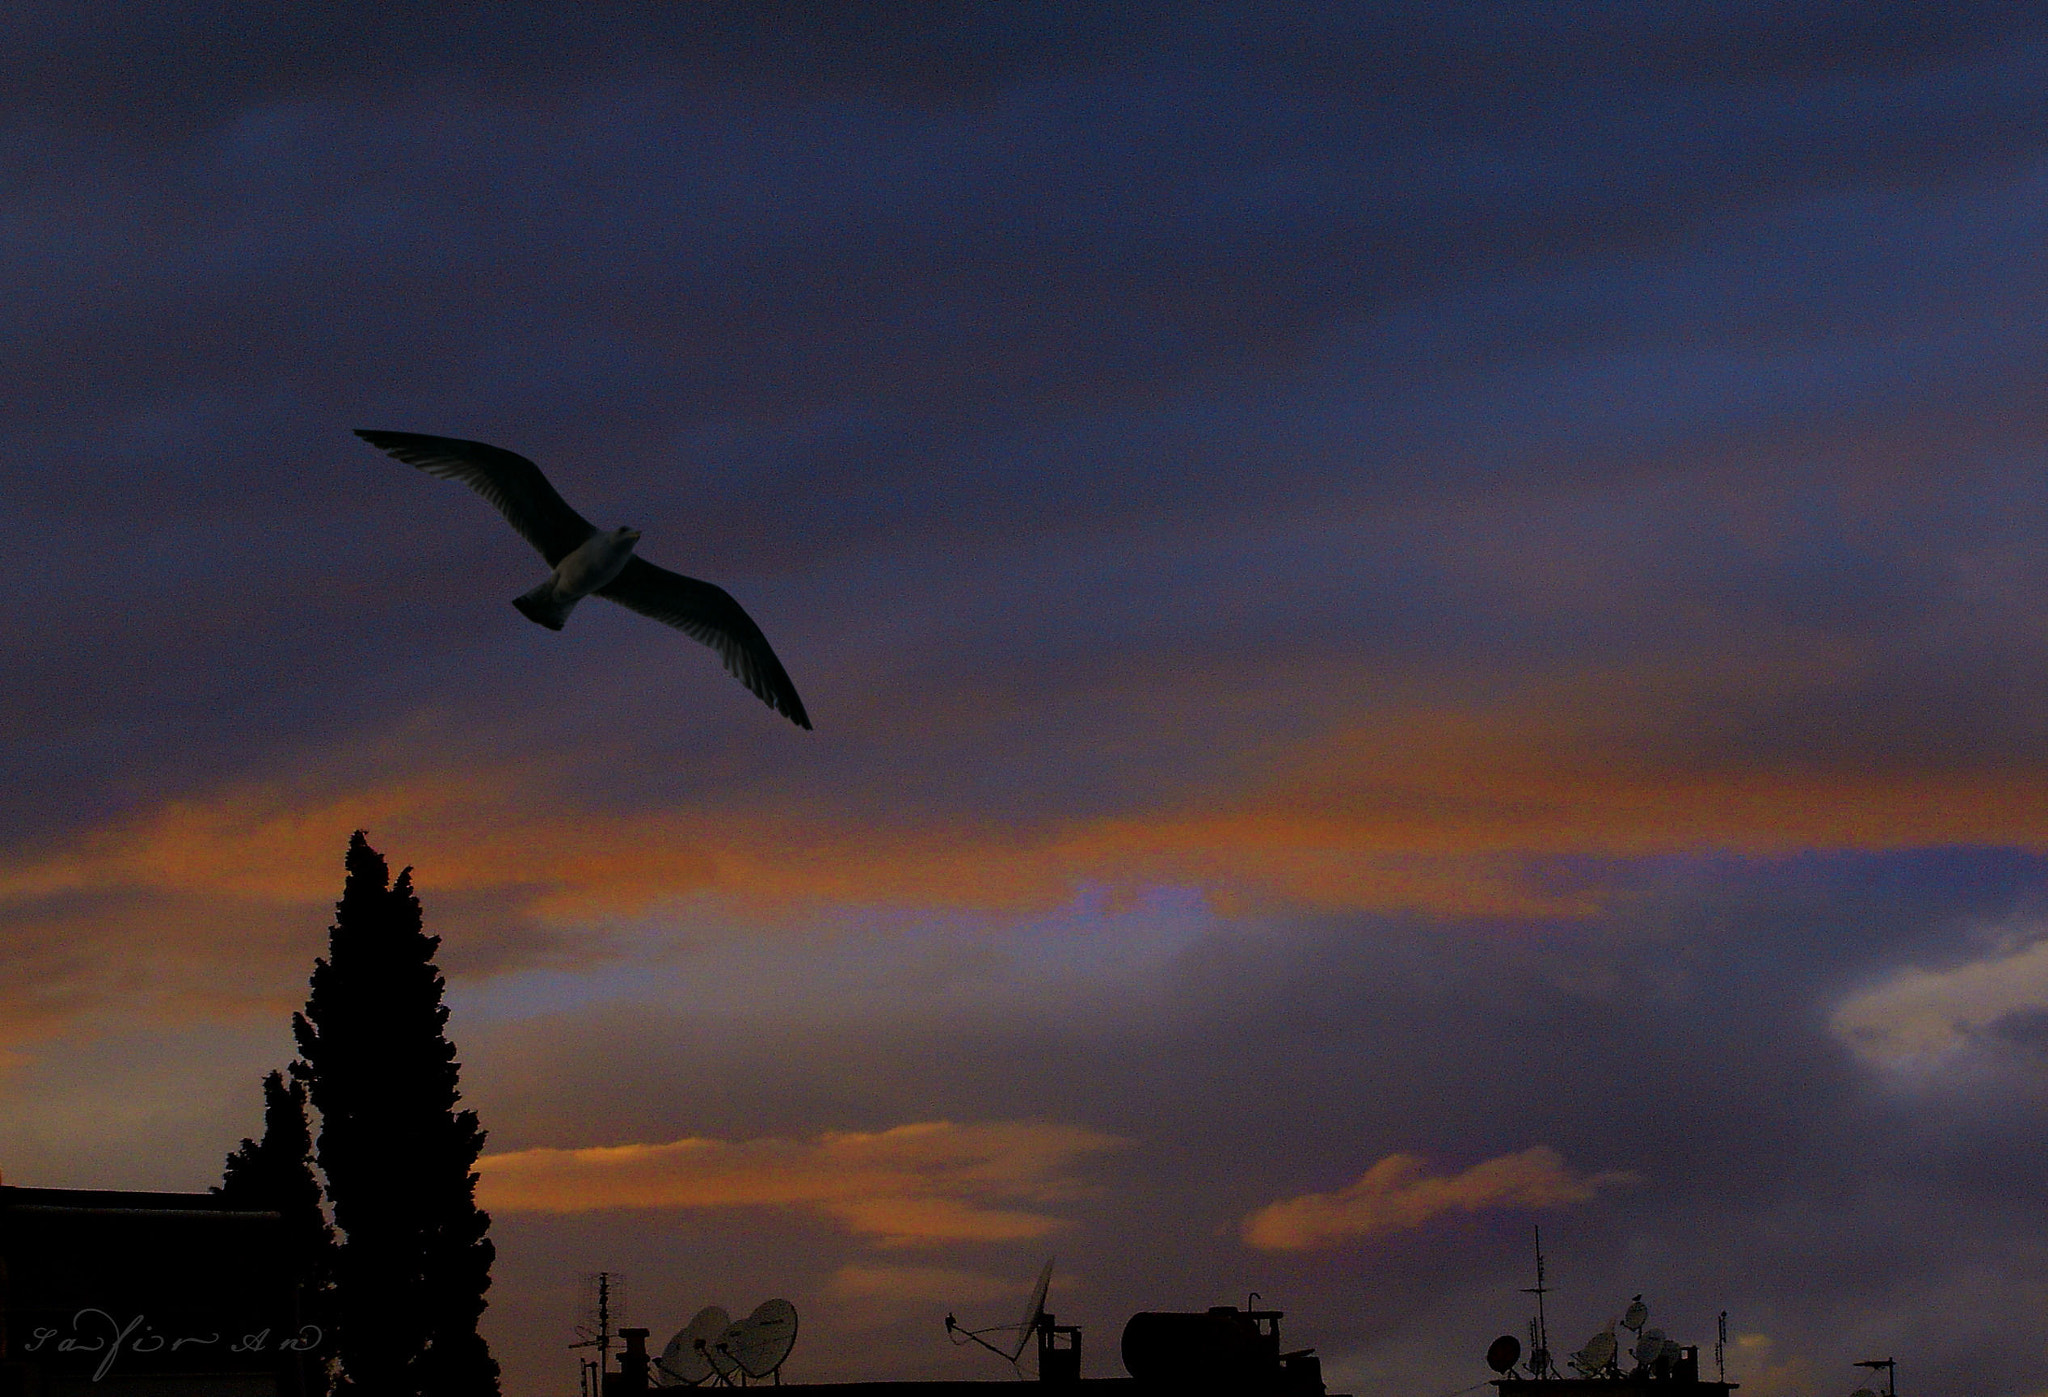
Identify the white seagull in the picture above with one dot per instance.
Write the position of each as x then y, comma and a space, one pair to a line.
586, 561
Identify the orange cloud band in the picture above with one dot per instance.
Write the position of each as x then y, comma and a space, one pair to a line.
930, 1182
1438, 807
1395, 1195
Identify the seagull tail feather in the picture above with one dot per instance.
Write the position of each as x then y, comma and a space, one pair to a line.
542, 607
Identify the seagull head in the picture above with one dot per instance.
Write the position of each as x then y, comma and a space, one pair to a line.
626, 535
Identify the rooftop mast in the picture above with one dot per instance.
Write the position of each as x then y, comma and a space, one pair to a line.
1539, 1361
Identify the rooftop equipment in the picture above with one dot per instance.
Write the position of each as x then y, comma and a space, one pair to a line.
1222, 1348
713, 1347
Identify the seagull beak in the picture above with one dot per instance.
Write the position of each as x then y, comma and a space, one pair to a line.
629, 533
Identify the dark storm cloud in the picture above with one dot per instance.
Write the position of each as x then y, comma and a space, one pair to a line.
861, 315
129, 69
905, 282
339, 631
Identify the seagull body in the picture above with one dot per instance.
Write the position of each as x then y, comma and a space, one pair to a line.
595, 564
587, 561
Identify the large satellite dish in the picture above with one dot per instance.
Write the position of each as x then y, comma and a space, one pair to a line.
759, 1343
687, 1360
1649, 1345
671, 1365
1037, 1306
1034, 1312
1596, 1355
1503, 1353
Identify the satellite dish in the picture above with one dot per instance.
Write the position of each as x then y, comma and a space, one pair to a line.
1863, 1392
759, 1343
668, 1369
1503, 1353
687, 1360
1037, 1307
1637, 1316
1648, 1345
1667, 1357
1597, 1354
1024, 1328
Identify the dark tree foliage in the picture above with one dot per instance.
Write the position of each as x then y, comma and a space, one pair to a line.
415, 1261
277, 1174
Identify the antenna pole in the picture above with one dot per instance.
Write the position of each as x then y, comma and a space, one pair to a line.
1542, 1321
1721, 1349
1891, 1373
604, 1323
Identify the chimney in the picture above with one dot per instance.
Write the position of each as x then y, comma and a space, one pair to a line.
632, 1374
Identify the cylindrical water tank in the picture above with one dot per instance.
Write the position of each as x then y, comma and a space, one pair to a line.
1217, 1349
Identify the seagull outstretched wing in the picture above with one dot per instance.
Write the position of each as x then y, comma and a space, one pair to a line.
513, 485
708, 613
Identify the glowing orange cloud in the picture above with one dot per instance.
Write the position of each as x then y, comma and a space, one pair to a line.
1395, 1195
935, 1181
1428, 805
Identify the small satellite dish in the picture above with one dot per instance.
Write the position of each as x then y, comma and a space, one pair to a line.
760, 1342
1637, 1316
1649, 1344
1503, 1353
687, 1360
1669, 1355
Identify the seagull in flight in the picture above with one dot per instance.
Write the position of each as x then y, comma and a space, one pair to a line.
586, 561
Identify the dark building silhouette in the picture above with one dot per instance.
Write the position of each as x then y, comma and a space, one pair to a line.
128, 1294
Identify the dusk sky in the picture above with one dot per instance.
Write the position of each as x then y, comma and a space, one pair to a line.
1421, 620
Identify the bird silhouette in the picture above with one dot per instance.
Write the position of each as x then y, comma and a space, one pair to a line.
587, 561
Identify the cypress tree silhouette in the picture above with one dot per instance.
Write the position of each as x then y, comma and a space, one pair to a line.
415, 1261
277, 1173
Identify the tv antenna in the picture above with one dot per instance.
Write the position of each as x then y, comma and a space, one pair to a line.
1539, 1330
1034, 1319
596, 1331
1890, 1368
